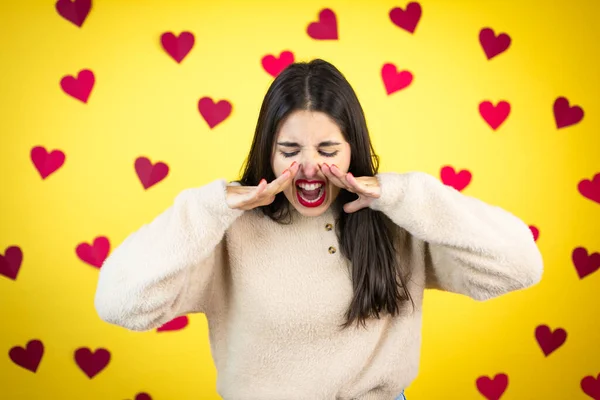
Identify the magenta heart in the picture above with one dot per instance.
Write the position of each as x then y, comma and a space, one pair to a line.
535, 232
494, 115
325, 28
591, 386
46, 162
143, 396
175, 324
492, 389
407, 19
274, 65
150, 174
178, 47
585, 264
92, 363
29, 357
10, 262
564, 114
549, 340
492, 44
214, 113
458, 181
590, 189
81, 87
394, 80
94, 254
74, 11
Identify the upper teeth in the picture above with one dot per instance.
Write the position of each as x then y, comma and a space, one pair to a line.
311, 186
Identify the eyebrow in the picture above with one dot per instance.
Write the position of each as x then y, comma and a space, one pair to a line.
327, 143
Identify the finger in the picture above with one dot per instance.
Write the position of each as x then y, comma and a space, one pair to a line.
340, 176
329, 174
354, 206
284, 180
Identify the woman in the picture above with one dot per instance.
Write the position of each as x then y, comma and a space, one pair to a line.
311, 268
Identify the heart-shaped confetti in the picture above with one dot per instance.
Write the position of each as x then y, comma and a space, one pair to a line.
493, 45
94, 254
394, 80
150, 174
75, 11
590, 189
178, 47
492, 389
91, 362
591, 386
143, 396
274, 65
565, 114
28, 357
457, 180
176, 324
585, 264
325, 28
10, 262
46, 162
535, 232
214, 113
81, 87
550, 340
494, 115
407, 19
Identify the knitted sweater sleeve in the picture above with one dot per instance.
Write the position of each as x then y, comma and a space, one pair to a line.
164, 268
471, 247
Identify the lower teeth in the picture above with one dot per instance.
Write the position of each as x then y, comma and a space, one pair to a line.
315, 200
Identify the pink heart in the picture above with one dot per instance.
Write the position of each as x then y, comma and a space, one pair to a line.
408, 19
75, 11
274, 65
149, 174
494, 115
549, 340
394, 80
46, 162
143, 396
175, 324
80, 87
585, 264
591, 386
92, 363
95, 254
590, 189
325, 28
214, 113
564, 114
10, 262
458, 181
492, 389
178, 47
29, 357
492, 44
535, 231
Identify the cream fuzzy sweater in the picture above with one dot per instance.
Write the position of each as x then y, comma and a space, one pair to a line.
274, 295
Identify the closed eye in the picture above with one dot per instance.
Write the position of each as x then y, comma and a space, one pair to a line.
292, 154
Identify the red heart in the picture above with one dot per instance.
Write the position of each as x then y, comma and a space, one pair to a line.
325, 28
408, 19
80, 87
10, 262
492, 389
591, 386
214, 113
494, 115
75, 11
590, 188
143, 396
148, 174
178, 47
535, 231
492, 44
549, 340
46, 163
92, 363
458, 181
564, 114
29, 357
394, 81
175, 324
585, 264
94, 254
274, 65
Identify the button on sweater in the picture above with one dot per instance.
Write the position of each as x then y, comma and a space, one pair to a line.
275, 295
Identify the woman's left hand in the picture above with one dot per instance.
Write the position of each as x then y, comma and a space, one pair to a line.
366, 187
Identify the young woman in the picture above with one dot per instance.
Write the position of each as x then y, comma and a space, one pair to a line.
311, 268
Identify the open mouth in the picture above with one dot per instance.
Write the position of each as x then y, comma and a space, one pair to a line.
310, 193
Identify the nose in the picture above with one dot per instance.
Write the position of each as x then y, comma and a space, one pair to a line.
310, 169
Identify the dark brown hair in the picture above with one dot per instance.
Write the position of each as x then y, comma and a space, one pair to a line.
368, 238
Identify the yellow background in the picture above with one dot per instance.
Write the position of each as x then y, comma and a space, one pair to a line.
145, 104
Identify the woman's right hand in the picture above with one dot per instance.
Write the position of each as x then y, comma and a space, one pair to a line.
250, 197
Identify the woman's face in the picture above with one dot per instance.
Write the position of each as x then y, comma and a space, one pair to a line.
310, 138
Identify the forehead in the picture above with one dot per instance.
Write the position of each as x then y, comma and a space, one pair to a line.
309, 126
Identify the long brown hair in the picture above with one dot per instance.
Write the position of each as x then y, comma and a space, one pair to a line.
368, 238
